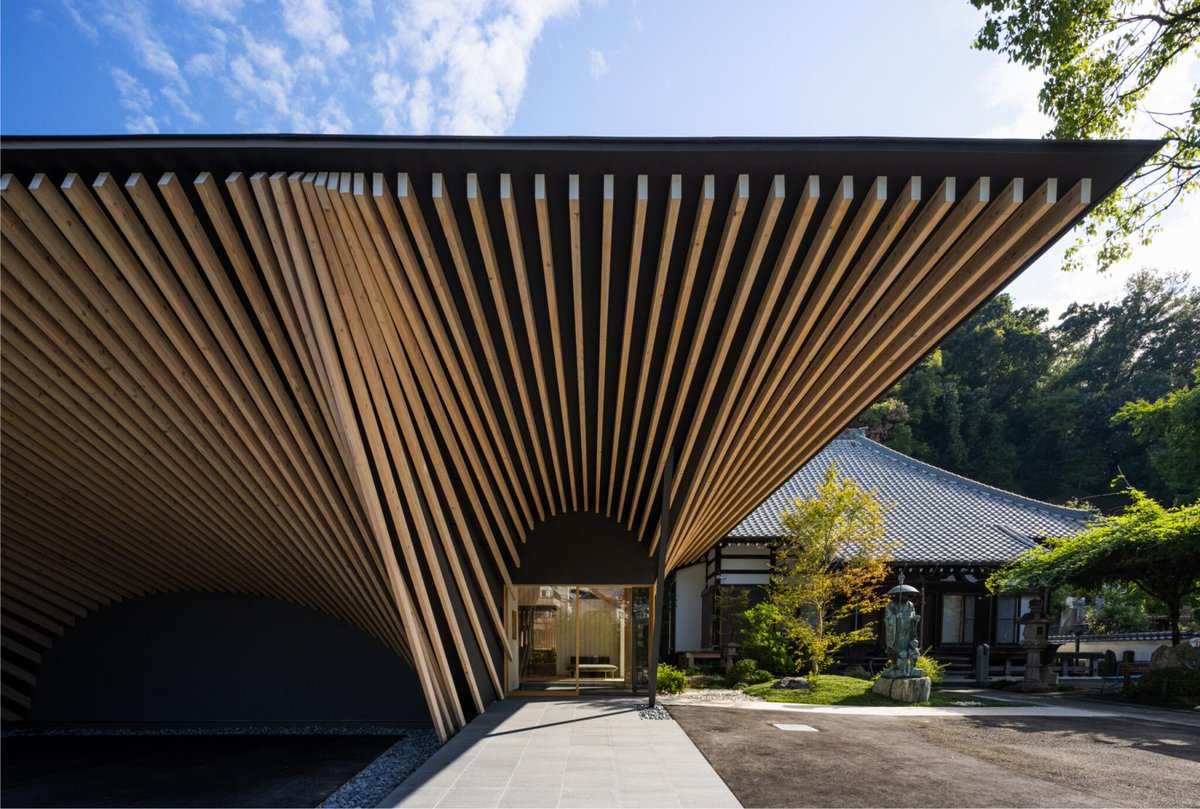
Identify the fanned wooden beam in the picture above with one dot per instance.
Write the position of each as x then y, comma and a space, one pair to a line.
323, 388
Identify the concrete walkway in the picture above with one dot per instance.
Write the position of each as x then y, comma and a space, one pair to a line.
549, 753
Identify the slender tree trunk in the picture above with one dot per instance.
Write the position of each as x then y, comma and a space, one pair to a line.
1173, 608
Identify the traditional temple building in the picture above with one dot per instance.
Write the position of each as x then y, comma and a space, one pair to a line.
950, 534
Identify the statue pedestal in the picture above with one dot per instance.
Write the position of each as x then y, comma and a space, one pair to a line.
903, 689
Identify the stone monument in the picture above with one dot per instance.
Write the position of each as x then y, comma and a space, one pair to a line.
1038, 677
902, 681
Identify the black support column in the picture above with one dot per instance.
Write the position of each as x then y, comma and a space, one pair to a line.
660, 584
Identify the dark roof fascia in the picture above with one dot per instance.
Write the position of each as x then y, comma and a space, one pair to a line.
1106, 162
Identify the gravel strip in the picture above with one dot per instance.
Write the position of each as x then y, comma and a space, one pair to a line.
377, 780
657, 712
710, 696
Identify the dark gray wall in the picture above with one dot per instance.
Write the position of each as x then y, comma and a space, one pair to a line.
208, 657
581, 548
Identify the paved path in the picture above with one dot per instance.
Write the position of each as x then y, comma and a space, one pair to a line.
550, 753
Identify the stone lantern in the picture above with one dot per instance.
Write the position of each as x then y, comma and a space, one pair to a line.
1037, 624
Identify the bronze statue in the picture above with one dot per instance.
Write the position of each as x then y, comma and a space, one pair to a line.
900, 620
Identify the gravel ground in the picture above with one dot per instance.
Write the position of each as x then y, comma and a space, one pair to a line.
1127, 763
862, 761
709, 696
377, 780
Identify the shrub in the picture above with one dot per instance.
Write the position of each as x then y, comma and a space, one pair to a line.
705, 681
931, 668
1171, 684
763, 640
747, 671
670, 679
857, 672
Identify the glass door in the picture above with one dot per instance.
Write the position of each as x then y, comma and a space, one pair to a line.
572, 640
546, 639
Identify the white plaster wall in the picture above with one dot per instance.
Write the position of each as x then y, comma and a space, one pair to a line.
689, 584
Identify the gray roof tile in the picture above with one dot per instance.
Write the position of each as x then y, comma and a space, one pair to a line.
937, 516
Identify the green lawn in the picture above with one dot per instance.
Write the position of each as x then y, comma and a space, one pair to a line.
834, 690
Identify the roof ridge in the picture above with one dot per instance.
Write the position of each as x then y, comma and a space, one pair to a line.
993, 491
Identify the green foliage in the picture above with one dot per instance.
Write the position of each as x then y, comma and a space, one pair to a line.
829, 565
1172, 684
1125, 609
931, 668
764, 642
705, 681
1170, 428
832, 689
1017, 402
1100, 58
670, 679
857, 672
747, 672
1156, 548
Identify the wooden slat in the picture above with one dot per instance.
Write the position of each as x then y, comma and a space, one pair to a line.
276, 384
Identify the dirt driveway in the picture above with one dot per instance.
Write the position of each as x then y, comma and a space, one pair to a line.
942, 761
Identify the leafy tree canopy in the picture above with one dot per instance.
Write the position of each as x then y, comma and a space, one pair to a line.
1170, 428
829, 565
1156, 548
1101, 58
1018, 402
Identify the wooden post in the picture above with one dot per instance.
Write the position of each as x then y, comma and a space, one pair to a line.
659, 582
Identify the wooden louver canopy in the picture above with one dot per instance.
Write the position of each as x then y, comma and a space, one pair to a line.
355, 373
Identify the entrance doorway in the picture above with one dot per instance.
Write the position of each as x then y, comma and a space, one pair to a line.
573, 639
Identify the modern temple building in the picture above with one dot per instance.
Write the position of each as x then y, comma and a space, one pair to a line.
394, 424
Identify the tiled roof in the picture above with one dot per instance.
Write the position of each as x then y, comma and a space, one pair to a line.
937, 516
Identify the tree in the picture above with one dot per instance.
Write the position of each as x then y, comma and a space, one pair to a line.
829, 565
1013, 401
1170, 428
1101, 58
1155, 548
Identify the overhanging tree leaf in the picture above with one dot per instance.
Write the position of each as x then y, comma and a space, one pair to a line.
1154, 547
1101, 57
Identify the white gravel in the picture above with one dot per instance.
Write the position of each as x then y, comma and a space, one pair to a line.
657, 712
710, 696
377, 780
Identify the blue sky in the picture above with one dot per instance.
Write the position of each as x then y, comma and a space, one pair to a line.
538, 67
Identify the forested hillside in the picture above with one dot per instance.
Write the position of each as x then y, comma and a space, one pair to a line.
1016, 401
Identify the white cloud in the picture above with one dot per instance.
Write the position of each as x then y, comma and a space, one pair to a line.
203, 65
223, 10
89, 30
263, 77
136, 101
597, 64
477, 52
389, 97
420, 66
315, 25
